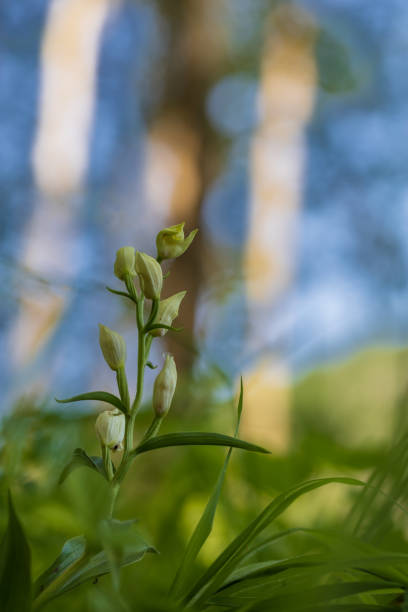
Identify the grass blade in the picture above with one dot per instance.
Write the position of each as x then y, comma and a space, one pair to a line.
204, 526
217, 573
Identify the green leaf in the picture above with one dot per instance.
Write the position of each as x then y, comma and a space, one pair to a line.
100, 564
86, 567
120, 539
72, 552
15, 563
150, 365
204, 526
295, 597
81, 459
100, 396
196, 438
222, 567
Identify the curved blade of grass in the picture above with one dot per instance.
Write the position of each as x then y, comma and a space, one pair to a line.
196, 438
218, 571
304, 599
260, 580
15, 564
81, 459
204, 526
99, 396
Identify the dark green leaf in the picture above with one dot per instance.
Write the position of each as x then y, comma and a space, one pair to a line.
196, 438
307, 598
81, 459
123, 546
204, 526
222, 567
15, 564
121, 539
99, 396
150, 365
72, 552
100, 564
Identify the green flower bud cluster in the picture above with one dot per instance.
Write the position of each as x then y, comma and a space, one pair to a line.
171, 243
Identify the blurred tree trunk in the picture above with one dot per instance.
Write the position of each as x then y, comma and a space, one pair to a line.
195, 58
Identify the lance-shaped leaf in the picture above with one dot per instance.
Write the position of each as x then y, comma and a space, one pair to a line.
121, 539
81, 459
15, 563
204, 526
72, 552
78, 565
99, 396
196, 438
100, 564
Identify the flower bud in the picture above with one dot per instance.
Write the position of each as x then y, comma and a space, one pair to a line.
113, 347
150, 275
167, 312
171, 243
164, 387
110, 428
125, 262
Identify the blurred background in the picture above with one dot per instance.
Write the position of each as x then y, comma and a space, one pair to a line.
280, 130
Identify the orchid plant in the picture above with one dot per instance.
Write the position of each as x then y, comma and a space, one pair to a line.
120, 544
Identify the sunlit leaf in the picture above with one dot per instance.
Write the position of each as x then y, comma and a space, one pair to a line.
99, 396
15, 566
81, 459
226, 562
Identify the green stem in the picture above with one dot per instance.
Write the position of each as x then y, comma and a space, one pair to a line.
153, 313
153, 428
114, 495
143, 353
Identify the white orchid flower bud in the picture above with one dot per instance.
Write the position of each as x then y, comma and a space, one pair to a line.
164, 387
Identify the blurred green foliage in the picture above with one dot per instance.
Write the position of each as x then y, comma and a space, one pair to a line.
344, 419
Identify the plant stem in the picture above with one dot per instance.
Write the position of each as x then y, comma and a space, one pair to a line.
107, 461
144, 343
123, 388
114, 495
